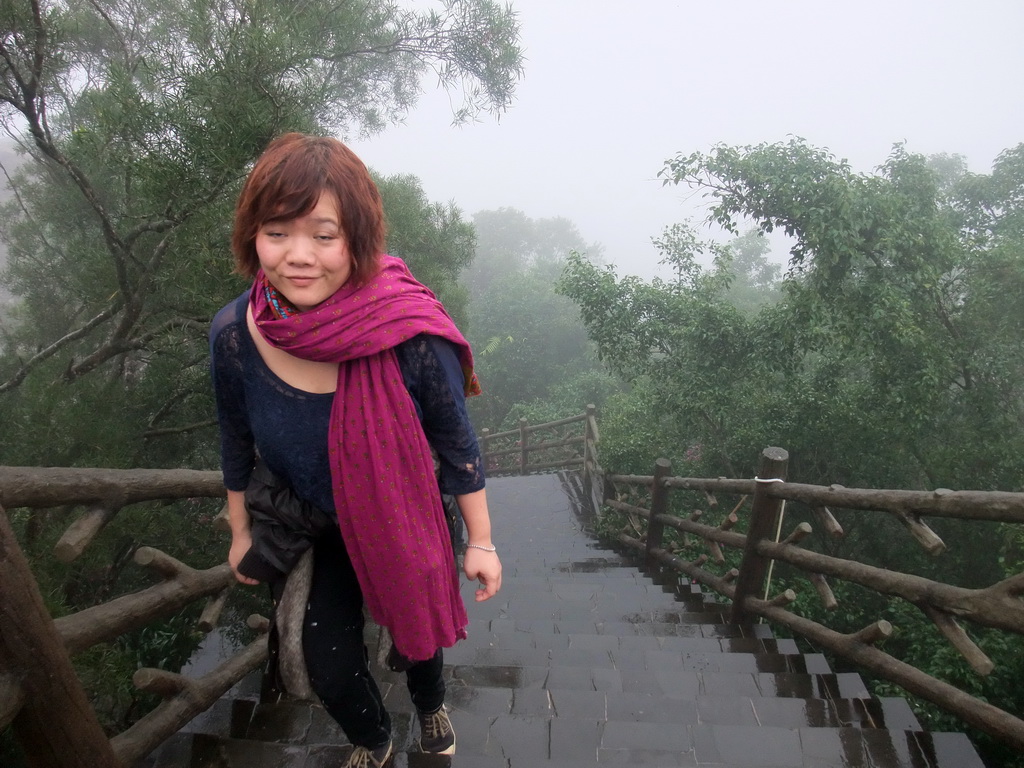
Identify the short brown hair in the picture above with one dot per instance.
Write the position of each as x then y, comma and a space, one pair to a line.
286, 183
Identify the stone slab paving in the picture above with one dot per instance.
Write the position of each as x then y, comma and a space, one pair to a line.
582, 660
608, 667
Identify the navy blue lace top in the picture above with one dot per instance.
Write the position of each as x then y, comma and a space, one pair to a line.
259, 412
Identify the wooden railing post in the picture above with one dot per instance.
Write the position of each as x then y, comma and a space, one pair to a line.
659, 506
764, 516
589, 439
524, 453
56, 726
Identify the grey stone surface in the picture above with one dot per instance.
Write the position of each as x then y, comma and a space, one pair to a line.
583, 660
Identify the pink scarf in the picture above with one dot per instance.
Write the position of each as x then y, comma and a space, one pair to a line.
385, 491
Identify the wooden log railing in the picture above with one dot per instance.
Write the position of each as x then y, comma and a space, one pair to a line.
643, 500
41, 697
997, 606
561, 444
43, 700
38, 686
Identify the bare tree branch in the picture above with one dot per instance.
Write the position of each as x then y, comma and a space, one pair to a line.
163, 431
119, 344
34, 110
56, 346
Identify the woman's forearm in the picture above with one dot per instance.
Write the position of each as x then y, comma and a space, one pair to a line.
477, 561
473, 507
238, 515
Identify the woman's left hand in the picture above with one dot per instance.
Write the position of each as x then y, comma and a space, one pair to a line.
484, 566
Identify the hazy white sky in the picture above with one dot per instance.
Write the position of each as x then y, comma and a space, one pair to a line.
613, 89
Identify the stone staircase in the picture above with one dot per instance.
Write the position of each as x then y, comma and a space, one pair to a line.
582, 660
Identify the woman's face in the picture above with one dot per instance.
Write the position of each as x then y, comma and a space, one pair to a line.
306, 259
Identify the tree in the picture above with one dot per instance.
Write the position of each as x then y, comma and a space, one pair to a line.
681, 345
509, 241
432, 238
755, 280
530, 346
139, 120
898, 327
908, 282
529, 341
892, 358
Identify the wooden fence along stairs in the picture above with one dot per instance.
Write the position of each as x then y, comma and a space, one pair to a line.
632, 656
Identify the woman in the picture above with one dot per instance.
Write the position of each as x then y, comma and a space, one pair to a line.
342, 372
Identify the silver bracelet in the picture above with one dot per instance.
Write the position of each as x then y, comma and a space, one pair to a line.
481, 546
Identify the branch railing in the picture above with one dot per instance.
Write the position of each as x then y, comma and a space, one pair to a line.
997, 606
564, 444
51, 717
40, 694
645, 499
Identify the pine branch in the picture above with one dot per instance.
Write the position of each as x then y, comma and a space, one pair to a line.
52, 349
164, 431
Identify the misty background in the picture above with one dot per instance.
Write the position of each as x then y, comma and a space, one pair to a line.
610, 93
612, 90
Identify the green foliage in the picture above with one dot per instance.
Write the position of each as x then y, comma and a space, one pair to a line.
888, 357
634, 432
432, 238
542, 345
533, 356
568, 397
688, 352
137, 123
898, 326
510, 242
106, 670
893, 284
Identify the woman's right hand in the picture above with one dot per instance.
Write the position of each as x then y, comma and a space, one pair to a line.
241, 538
241, 542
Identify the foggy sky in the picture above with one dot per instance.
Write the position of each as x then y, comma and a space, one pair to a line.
613, 89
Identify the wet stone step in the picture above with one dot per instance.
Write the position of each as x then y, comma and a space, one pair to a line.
841, 685
531, 733
293, 723
673, 681
297, 723
661, 659
798, 713
520, 738
522, 742
554, 605
602, 626
481, 638
889, 712
845, 697
827, 748
622, 581
844, 685
626, 603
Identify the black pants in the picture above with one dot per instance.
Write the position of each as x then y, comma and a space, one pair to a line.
336, 657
